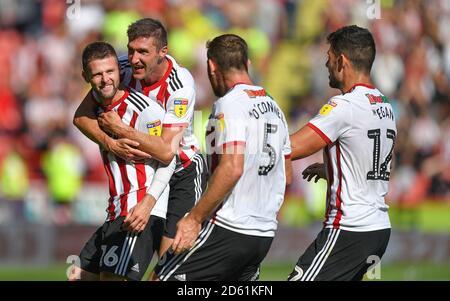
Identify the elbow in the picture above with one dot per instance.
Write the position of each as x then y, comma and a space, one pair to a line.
288, 179
76, 121
236, 173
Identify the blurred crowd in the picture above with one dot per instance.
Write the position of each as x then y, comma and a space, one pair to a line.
41, 84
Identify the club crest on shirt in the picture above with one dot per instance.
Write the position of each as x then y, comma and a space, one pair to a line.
180, 106
326, 109
154, 128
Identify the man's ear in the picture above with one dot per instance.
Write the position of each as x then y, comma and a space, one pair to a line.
85, 76
162, 54
212, 66
343, 61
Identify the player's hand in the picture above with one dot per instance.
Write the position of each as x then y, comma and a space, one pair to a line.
314, 170
110, 122
138, 216
126, 149
187, 232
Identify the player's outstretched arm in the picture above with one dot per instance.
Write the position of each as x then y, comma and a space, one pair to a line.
162, 148
85, 120
305, 142
226, 175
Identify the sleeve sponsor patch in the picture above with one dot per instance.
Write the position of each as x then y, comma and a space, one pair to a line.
326, 109
154, 128
180, 106
220, 121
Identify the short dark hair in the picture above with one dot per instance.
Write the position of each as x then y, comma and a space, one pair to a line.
147, 28
356, 43
228, 51
97, 50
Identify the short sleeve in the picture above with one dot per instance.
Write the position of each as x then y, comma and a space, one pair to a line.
150, 120
287, 143
231, 125
180, 108
333, 120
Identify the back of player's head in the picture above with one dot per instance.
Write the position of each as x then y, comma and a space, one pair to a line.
228, 51
97, 50
147, 28
356, 44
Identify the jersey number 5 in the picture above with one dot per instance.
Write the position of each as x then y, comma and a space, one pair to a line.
380, 172
269, 128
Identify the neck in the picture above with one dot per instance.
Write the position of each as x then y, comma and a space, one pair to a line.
237, 77
157, 73
353, 79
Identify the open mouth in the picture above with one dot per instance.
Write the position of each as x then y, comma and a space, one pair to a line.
107, 88
138, 68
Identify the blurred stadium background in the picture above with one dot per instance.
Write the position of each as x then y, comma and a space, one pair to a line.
53, 190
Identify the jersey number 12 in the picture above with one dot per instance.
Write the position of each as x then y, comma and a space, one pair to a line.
380, 172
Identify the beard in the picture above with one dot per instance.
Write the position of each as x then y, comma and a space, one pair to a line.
333, 81
107, 95
216, 85
218, 90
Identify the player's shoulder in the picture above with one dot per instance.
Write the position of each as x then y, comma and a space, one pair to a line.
244, 92
140, 101
234, 102
123, 61
364, 92
179, 76
136, 94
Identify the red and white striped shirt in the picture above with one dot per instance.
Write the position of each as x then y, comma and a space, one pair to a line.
129, 182
175, 92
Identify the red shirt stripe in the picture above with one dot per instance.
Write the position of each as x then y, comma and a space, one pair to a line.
141, 178
161, 95
232, 143
321, 134
126, 187
329, 183
337, 219
133, 119
112, 186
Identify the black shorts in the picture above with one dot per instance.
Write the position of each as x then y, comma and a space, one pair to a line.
110, 249
218, 254
340, 255
186, 188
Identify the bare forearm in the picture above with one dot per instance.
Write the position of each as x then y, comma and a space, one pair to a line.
90, 128
305, 142
300, 152
152, 145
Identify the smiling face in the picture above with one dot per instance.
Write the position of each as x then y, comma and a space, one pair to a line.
144, 57
103, 75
